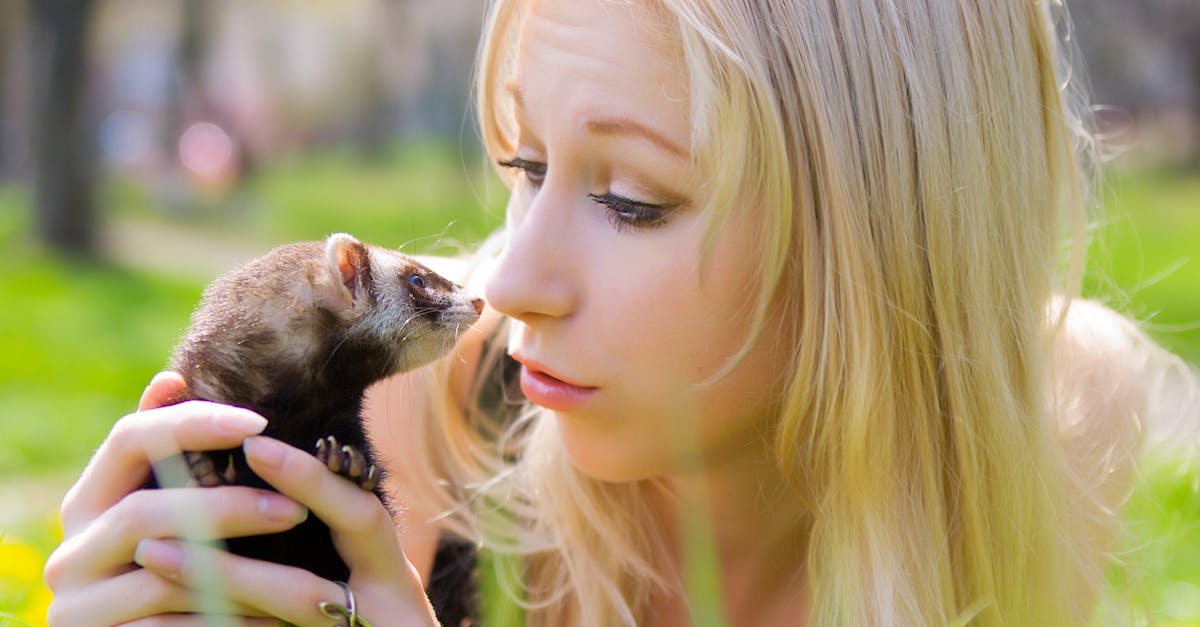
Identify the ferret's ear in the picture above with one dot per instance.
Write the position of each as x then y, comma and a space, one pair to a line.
349, 261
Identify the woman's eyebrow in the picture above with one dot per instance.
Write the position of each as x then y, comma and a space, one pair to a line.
608, 126
626, 126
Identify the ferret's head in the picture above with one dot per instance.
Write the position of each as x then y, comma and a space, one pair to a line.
390, 300
311, 315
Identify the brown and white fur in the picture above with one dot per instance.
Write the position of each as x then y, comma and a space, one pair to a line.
298, 335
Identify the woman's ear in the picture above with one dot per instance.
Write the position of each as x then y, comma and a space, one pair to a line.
348, 261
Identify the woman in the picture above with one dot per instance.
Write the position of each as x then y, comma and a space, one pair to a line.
779, 276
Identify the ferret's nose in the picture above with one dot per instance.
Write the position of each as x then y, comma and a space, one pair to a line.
477, 303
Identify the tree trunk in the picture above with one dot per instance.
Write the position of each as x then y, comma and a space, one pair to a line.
1195, 58
186, 96
64, 150
12, 23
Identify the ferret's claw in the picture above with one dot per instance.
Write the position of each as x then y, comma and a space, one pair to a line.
371, 480
347, 461
333, 455
322, 450
202, 469
356, 462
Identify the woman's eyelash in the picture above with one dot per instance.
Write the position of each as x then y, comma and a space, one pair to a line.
622, 212
627, 213
532, 170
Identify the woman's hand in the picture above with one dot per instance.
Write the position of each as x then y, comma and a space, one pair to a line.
386, 587
122, 561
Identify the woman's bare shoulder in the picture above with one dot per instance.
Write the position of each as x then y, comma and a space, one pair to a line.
1099, 371
1100, 392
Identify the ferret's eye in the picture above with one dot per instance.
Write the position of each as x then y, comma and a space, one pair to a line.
417, 282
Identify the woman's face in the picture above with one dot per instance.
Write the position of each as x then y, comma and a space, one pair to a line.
616, 320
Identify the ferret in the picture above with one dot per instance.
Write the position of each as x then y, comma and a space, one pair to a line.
297, 336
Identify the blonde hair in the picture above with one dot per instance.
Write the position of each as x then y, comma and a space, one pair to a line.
925, 161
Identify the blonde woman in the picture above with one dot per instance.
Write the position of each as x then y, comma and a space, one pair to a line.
782, 285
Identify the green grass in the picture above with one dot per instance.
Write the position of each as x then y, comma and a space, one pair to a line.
1146, 255
1158, 573
78, 342
424, 197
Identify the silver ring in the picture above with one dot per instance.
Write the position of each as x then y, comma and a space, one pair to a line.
347, 612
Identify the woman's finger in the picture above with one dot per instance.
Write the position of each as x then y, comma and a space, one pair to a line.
108, 543
122, 463
166, 388
359, 522
200, 620
116, 600
137, 594
292, 594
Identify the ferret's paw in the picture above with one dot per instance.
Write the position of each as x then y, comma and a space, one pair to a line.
347, 461
203, 470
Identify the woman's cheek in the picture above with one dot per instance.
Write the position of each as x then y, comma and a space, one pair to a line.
654, 316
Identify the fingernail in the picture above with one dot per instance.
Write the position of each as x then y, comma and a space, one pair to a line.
266, 451
158, 376
279, 508
159, 556
240, 423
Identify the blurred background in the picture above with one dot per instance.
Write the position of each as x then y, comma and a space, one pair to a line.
148, 145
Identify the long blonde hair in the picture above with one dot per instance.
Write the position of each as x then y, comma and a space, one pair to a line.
925, 161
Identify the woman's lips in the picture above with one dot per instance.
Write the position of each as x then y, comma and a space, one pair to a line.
546, 390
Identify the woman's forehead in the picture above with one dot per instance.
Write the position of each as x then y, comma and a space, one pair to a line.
629, 35
601, 58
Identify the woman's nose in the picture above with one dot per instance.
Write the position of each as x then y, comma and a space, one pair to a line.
533, 277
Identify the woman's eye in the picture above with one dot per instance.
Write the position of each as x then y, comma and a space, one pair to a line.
535, 172
622, 212
627, 213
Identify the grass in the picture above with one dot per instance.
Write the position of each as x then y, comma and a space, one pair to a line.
80, 346
424, 197
1158, 576
1146, 256
79, 341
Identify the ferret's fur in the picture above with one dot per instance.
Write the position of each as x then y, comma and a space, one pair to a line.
297, 336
